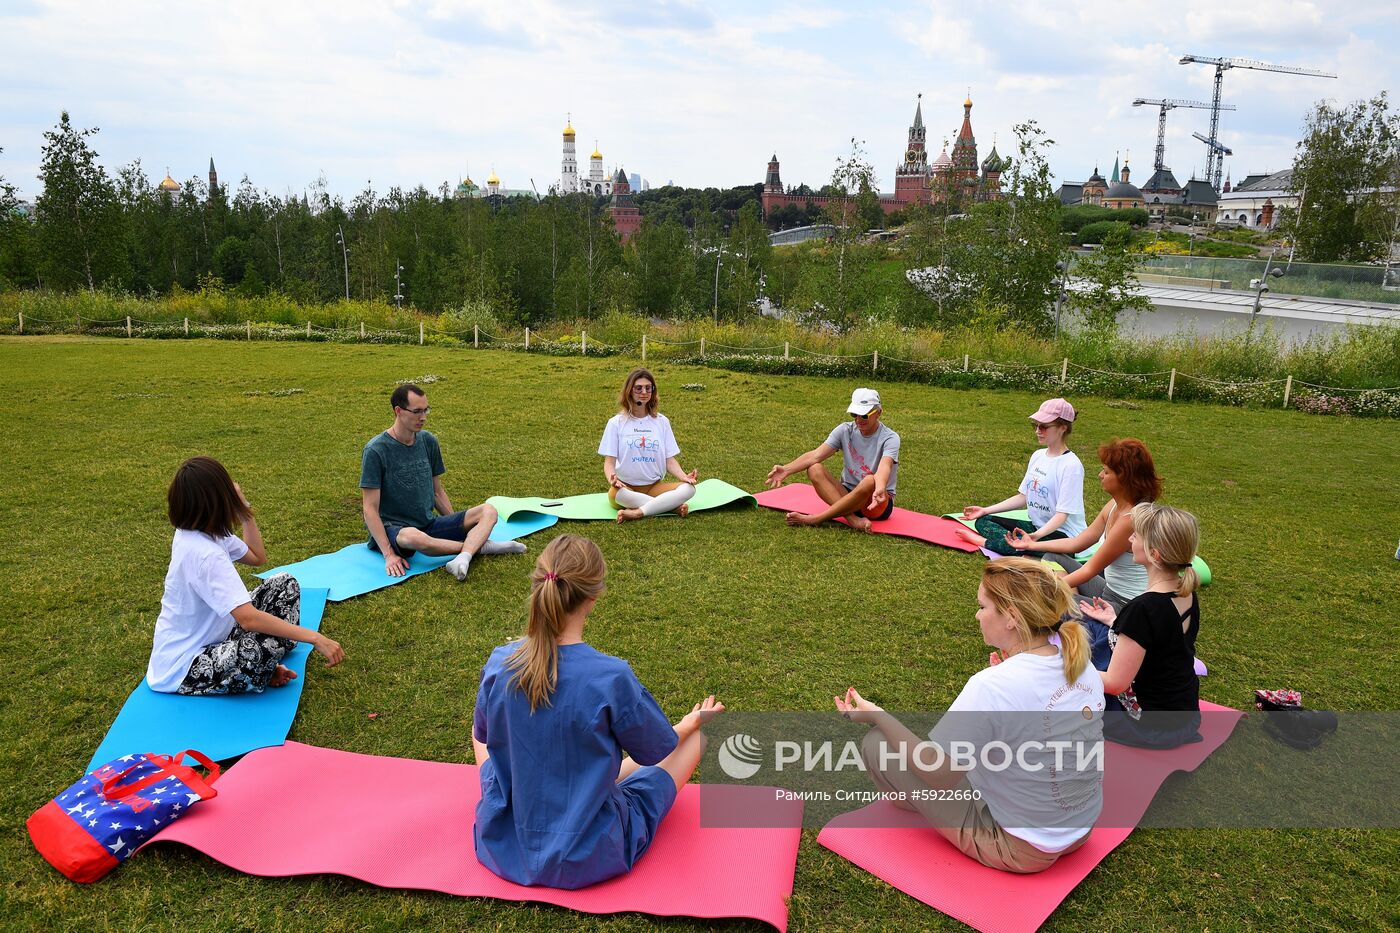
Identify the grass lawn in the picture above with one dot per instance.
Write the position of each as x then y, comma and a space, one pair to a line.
1298, 517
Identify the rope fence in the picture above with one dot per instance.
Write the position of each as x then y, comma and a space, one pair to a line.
963, 371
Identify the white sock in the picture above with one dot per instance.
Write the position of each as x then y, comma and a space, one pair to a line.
459, 565
669, 501
502, 547
631, 499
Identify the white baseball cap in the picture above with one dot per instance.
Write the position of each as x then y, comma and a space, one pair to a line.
864, 401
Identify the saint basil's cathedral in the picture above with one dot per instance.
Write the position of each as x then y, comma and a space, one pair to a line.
916, 181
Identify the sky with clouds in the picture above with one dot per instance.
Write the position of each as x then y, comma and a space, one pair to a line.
408, 92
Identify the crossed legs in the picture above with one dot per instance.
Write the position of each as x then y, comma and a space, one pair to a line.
840, 503
477, 524
657, 499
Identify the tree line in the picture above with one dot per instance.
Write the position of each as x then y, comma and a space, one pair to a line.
520, 260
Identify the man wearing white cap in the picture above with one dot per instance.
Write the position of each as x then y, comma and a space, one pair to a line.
870, 465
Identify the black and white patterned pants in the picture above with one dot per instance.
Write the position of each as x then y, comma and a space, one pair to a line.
245, 661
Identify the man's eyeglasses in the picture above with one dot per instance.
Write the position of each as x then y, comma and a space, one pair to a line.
864, 417
419, 411
643, 388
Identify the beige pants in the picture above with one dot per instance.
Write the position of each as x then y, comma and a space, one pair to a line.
966, 823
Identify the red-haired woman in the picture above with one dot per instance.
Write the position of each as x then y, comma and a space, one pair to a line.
1128, 476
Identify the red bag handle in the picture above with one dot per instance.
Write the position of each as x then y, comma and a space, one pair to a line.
168, 766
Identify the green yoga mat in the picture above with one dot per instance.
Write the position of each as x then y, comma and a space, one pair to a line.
1200, 566
709, 494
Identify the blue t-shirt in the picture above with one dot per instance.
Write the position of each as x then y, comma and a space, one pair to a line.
551, 811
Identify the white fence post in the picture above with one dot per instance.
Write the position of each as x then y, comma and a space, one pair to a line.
702, 348
527, 338
187, 327
875, 363
1171, 385
1064, 370
476, 336
362, 330
644, 348
420, 333
585, 343
308, 330
1287, 391
250, 330
128, 325
965, 356
21, 322
786, 347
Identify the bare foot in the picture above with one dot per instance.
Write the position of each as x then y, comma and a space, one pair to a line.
860, 523
282, 676
629, 515
684, 510
798, 518
970, 536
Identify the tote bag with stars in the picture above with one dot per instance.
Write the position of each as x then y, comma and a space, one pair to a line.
93, 826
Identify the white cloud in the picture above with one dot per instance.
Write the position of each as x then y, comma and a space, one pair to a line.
419, 91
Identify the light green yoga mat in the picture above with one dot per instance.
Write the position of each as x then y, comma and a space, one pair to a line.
1200, 566
709, 494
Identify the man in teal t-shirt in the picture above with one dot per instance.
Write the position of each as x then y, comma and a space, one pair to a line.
400, 485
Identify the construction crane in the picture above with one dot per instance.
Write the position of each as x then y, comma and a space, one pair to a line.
1214, 146
1215, 158
1165, 105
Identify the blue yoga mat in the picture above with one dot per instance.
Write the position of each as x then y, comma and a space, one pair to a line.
355, 569
220, 726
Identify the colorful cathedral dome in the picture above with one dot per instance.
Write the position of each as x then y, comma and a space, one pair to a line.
569, 130
168, 183
492, 179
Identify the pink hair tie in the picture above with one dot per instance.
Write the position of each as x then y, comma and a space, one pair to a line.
551, 576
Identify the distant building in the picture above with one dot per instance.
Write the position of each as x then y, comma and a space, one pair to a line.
168, 185
627, 220
1257, 200
916, 180
1123, 193
597, 182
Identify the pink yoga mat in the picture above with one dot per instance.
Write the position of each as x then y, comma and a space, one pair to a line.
398, 823
921, 863
800, 497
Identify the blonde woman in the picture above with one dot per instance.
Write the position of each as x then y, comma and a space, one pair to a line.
560, 804
1154, 638
1033, 695
639, 451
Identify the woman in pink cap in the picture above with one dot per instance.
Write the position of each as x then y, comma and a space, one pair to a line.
1051, 492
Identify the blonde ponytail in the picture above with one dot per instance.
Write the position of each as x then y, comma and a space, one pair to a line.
1175, 535
1037, 598
569, 572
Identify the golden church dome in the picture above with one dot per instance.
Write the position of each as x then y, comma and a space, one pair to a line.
569, 130
168, 183
492, 179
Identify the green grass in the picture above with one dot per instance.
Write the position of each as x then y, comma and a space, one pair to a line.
1298, 526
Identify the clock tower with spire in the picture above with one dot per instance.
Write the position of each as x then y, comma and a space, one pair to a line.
912, 175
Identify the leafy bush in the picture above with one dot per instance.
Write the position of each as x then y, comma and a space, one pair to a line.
1102, 230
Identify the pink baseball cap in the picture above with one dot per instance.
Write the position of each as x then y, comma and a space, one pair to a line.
1053, 410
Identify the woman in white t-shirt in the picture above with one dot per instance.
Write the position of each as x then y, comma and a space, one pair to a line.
639, 451
1051, 492
1033, 721
212, 637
